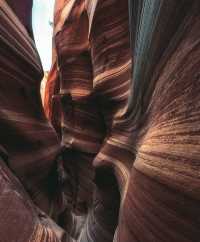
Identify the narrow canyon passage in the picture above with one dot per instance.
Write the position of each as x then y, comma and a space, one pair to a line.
99, 121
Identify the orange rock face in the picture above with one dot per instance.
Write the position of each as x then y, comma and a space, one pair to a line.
123, 94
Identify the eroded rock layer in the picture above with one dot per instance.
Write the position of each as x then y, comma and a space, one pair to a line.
127, 114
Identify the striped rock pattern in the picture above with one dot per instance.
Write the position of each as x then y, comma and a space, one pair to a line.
26, 135
20, 219
92, 85
164, 187
131, 149
28, 143
23, 10
150, 124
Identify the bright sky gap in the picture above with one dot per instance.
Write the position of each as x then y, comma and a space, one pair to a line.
42, 16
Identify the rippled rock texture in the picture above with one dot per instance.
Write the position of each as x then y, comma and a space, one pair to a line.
123, 95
